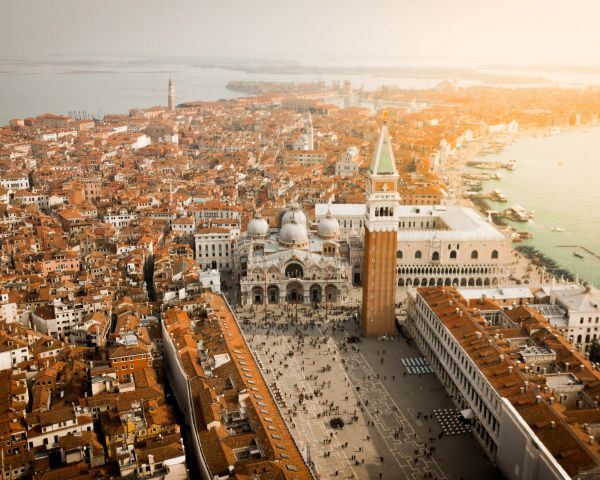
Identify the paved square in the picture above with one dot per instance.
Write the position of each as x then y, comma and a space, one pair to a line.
389, 430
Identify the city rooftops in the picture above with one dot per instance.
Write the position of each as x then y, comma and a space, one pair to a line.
236, 409
555, 421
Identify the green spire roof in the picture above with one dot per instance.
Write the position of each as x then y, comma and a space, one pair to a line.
383, 162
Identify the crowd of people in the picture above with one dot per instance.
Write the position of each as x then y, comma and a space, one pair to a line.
297, 348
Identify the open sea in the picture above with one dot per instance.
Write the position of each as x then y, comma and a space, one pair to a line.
558, 178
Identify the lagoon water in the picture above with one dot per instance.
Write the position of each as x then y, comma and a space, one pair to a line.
100, 85
31, 89
557, 177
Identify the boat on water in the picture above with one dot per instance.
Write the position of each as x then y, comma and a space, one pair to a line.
511, 164
557, 229
560, 162
487, 166
516, 213
474, 185
498, 196
477, 176
496, 176
554, 130
578, 255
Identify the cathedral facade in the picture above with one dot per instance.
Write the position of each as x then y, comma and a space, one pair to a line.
291, 263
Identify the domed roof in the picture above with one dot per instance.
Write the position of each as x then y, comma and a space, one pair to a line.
293, 234
258, 226
294, 210
329, 227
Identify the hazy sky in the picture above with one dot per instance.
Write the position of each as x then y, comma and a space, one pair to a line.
540, 31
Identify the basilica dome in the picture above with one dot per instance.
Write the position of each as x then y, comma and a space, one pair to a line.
295, 211
328, 227
258, 226
293, 234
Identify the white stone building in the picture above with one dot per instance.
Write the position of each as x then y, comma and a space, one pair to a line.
292, 264
347, 165
439, 245
214, 248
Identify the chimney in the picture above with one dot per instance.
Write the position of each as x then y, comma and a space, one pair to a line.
566, 366
552, 424
510, 369
551, 400
477, 335
538, 398
526, 385
582, 367
501, 357
591, 439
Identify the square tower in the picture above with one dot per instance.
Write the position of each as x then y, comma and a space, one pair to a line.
381, 242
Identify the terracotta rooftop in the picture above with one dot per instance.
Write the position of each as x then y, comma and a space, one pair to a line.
488, 345
234, 378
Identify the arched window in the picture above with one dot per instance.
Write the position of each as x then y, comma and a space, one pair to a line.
435, 257
453, 254
578, 338
399, 254
418, 254
494, 254
474, 254
377, 212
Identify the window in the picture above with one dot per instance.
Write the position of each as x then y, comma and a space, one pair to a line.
435, 257
474, 255
418, 254
399, 254
494, 254
453, 254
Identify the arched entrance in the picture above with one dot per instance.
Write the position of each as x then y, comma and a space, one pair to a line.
273, 294
294, 293
316, 294
331, 293
257, 295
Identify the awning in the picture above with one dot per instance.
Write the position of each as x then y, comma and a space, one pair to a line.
468, 413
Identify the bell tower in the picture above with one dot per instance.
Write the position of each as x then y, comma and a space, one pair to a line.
310, 142
381, 241
171, 96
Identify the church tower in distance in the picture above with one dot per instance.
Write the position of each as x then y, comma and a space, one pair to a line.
381, 242
171, 96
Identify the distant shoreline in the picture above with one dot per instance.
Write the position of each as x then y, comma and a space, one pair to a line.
528, 251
